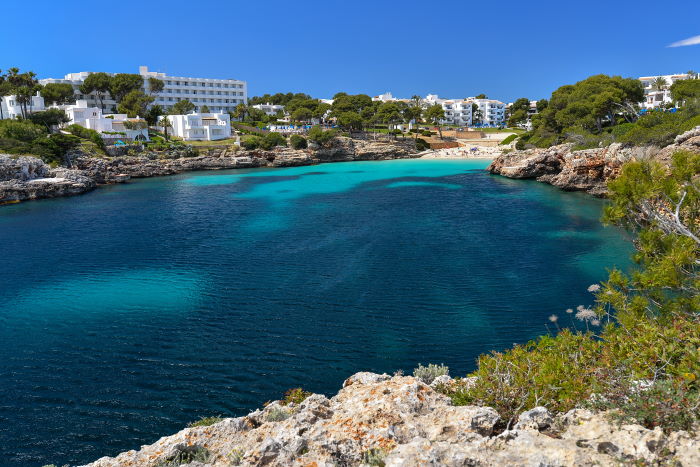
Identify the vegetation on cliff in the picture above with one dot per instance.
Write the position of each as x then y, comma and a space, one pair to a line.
636, 349
601, 110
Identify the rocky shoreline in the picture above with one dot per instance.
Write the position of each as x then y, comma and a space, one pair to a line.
27, 178
399, 421
585, 170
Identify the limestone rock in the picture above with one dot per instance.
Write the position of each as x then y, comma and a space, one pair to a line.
401, 421
586, 170
538, 418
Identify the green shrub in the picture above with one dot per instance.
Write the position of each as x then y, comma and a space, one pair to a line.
428, 373
421, 144
21, 130
187, 455
427, 133
509, 139
88, 134
205, 421
297, 142
277, 414
295, 395
251, 143
272, 140
672, 405
320, 136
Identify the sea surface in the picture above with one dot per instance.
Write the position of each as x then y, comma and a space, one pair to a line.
127, 312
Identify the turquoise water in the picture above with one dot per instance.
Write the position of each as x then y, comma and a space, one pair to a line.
129, 311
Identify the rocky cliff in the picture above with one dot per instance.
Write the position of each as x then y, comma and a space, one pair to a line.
585, 170
23, 178
400, 421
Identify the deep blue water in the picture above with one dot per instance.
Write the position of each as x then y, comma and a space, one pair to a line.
129, 311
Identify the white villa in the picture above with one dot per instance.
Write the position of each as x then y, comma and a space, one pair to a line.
220, 95
659, 97
269, 109
92, 118
11, 108
201, 127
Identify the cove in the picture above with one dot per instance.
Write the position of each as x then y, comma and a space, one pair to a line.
127, 312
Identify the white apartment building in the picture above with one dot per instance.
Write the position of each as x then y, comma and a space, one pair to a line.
220, 95
269, 109
493, 112
659, 97
457, 112
10, 108
201, 127
92, 118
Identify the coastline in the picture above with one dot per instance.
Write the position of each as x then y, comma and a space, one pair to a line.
27, 178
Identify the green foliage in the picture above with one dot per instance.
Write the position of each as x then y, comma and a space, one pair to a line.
509, 139
350, 121
49, 118
88, 134
182, 107
122, 84
187, 455
278, 99
649, 328
205, 421
297, 142
99, 83
204, 109
21, 130
320, 136
428, 373
135, 104
155, 85
251, 143
659, 128
672, 405
295, 395
302, 114
153, 114
434, 114
271, 140
685, 90
421, 144
58, 93
277, 414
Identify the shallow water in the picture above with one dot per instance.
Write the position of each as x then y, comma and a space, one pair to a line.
129, 311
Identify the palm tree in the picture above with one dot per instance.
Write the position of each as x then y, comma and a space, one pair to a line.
165, 123
659, 83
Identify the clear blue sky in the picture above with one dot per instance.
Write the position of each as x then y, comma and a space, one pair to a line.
456, 48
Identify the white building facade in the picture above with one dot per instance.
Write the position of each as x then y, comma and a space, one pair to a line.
457, 112
220, 95
654, 97
111, 125
492, 112
201, 127
10, 107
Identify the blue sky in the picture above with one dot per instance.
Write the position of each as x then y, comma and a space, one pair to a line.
506, 49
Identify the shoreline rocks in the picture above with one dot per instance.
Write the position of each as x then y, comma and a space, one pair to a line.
397, 421
585, 170
28, 178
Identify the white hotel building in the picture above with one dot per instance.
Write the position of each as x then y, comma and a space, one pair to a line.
220, 95
659, 97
